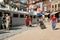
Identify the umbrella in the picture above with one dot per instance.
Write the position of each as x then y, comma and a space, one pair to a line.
46, 14
53, 13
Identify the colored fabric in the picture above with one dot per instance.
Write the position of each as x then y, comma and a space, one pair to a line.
7, 24
27, 21
38, 10
53, 19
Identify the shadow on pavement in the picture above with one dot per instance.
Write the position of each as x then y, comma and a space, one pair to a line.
34, 26
57, 28
31, 26
3, 32
15, 28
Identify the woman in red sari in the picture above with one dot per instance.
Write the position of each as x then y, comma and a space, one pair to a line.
27, 21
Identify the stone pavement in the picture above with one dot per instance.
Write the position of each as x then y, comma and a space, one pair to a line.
39, 34
13, 31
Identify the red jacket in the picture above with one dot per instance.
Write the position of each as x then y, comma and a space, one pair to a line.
53, 18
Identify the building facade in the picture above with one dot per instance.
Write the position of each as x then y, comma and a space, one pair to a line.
55, 6
46, 5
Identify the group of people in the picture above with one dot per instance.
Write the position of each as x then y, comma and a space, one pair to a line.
5, 21
28, 21
42, 18
53, 20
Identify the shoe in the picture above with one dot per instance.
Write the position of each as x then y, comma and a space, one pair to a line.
53, 28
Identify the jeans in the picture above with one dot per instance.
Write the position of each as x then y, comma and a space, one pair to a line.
53, 24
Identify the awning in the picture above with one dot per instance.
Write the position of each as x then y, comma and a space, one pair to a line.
46, 14
53, 13
4, 9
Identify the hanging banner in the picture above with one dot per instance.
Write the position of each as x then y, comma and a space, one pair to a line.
41, 6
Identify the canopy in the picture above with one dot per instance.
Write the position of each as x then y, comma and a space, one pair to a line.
46, 14
4, 9
53, 13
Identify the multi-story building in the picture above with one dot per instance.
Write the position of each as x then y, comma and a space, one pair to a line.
55, 5
32, 3
46, 5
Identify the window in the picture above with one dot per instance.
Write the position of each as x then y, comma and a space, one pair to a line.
34, 17
30, 15
52, 6
0, 14
15, 15
21, 15
55, 6
58, 5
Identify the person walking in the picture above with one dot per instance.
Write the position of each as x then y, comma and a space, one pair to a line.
7, 21
30, 21
42, 25
27, 21
3, 21
51, 18
53, 22
38, 14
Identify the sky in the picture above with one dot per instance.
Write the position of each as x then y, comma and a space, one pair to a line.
23, 1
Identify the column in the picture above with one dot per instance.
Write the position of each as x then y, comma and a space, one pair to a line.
54, 7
